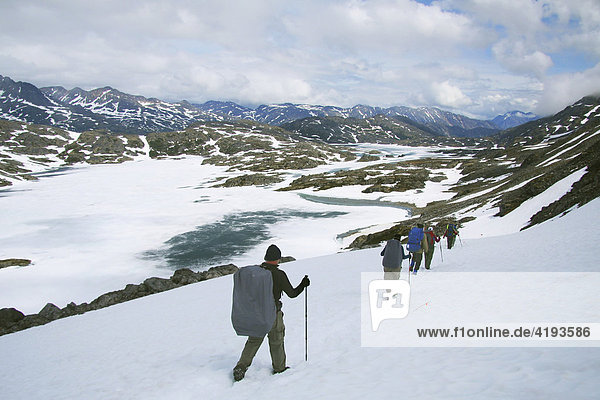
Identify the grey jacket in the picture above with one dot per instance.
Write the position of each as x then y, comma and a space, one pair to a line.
393, 254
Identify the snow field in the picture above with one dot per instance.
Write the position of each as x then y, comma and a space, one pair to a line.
180, 344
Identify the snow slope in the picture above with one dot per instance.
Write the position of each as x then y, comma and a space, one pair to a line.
180, 344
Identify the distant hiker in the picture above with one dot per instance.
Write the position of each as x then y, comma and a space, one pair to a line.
417, 244
249, 300
450, 234
432, 239
393, 254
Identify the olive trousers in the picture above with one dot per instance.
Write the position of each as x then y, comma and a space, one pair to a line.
276, 346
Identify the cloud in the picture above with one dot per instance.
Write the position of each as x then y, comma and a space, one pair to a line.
523, 17
457, 54
516, 57
393, 27
447, 95
565, 89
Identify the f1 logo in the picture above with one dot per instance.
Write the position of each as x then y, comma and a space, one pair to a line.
389, 299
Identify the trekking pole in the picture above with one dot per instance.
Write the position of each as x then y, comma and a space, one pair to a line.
409, 267
306, 324
460, 240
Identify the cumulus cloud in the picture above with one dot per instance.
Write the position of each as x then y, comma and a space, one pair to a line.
457, 54
447, 95
516, 57
565, 89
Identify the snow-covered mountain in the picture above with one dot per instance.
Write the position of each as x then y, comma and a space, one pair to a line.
438, 121
108, 108
376, 129
104, 108
513, 118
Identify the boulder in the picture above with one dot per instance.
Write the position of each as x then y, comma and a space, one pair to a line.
218, 271
10, 316
156, 285
185, 276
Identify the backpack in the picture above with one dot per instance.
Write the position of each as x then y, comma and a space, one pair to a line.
451, 230
253, 310
415, 236
430, 235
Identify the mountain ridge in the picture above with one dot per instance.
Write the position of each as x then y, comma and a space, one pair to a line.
108, 108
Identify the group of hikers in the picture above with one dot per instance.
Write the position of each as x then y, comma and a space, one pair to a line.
420, 241
257, 290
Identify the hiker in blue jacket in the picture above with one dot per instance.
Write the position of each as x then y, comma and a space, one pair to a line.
450, 235
281, 284
393, 254
417, 244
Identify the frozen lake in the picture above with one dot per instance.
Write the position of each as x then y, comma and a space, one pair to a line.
94, 229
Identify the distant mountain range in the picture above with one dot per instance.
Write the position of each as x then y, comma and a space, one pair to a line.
512, 119
440, 122
501, 171
109, 109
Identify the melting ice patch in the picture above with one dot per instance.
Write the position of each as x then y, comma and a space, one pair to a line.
233, 235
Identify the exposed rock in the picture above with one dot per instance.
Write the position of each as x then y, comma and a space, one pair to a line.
251, 180
12, 320
14, 262
50, 312
368, 158
185, 276
10, 316
216, 272
156, 285
384, 178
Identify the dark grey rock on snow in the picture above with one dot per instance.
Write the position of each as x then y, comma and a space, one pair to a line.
10, 316
12, 320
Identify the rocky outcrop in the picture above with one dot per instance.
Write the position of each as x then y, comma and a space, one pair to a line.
12, 320
9, 317
14, 262
251, 180
100, 147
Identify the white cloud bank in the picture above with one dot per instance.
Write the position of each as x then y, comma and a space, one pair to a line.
477, 57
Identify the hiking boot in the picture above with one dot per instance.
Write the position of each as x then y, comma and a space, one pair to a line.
415, 272
283, 370
238, 373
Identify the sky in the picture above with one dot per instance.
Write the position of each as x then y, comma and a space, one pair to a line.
480, 58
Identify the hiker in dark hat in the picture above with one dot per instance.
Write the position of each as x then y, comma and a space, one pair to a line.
281, 283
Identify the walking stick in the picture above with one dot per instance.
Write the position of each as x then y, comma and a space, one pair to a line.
409, 266
461, 245
306, 324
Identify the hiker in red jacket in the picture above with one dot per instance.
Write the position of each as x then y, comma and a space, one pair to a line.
432, 239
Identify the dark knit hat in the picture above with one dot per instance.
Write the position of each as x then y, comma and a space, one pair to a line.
273, 253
